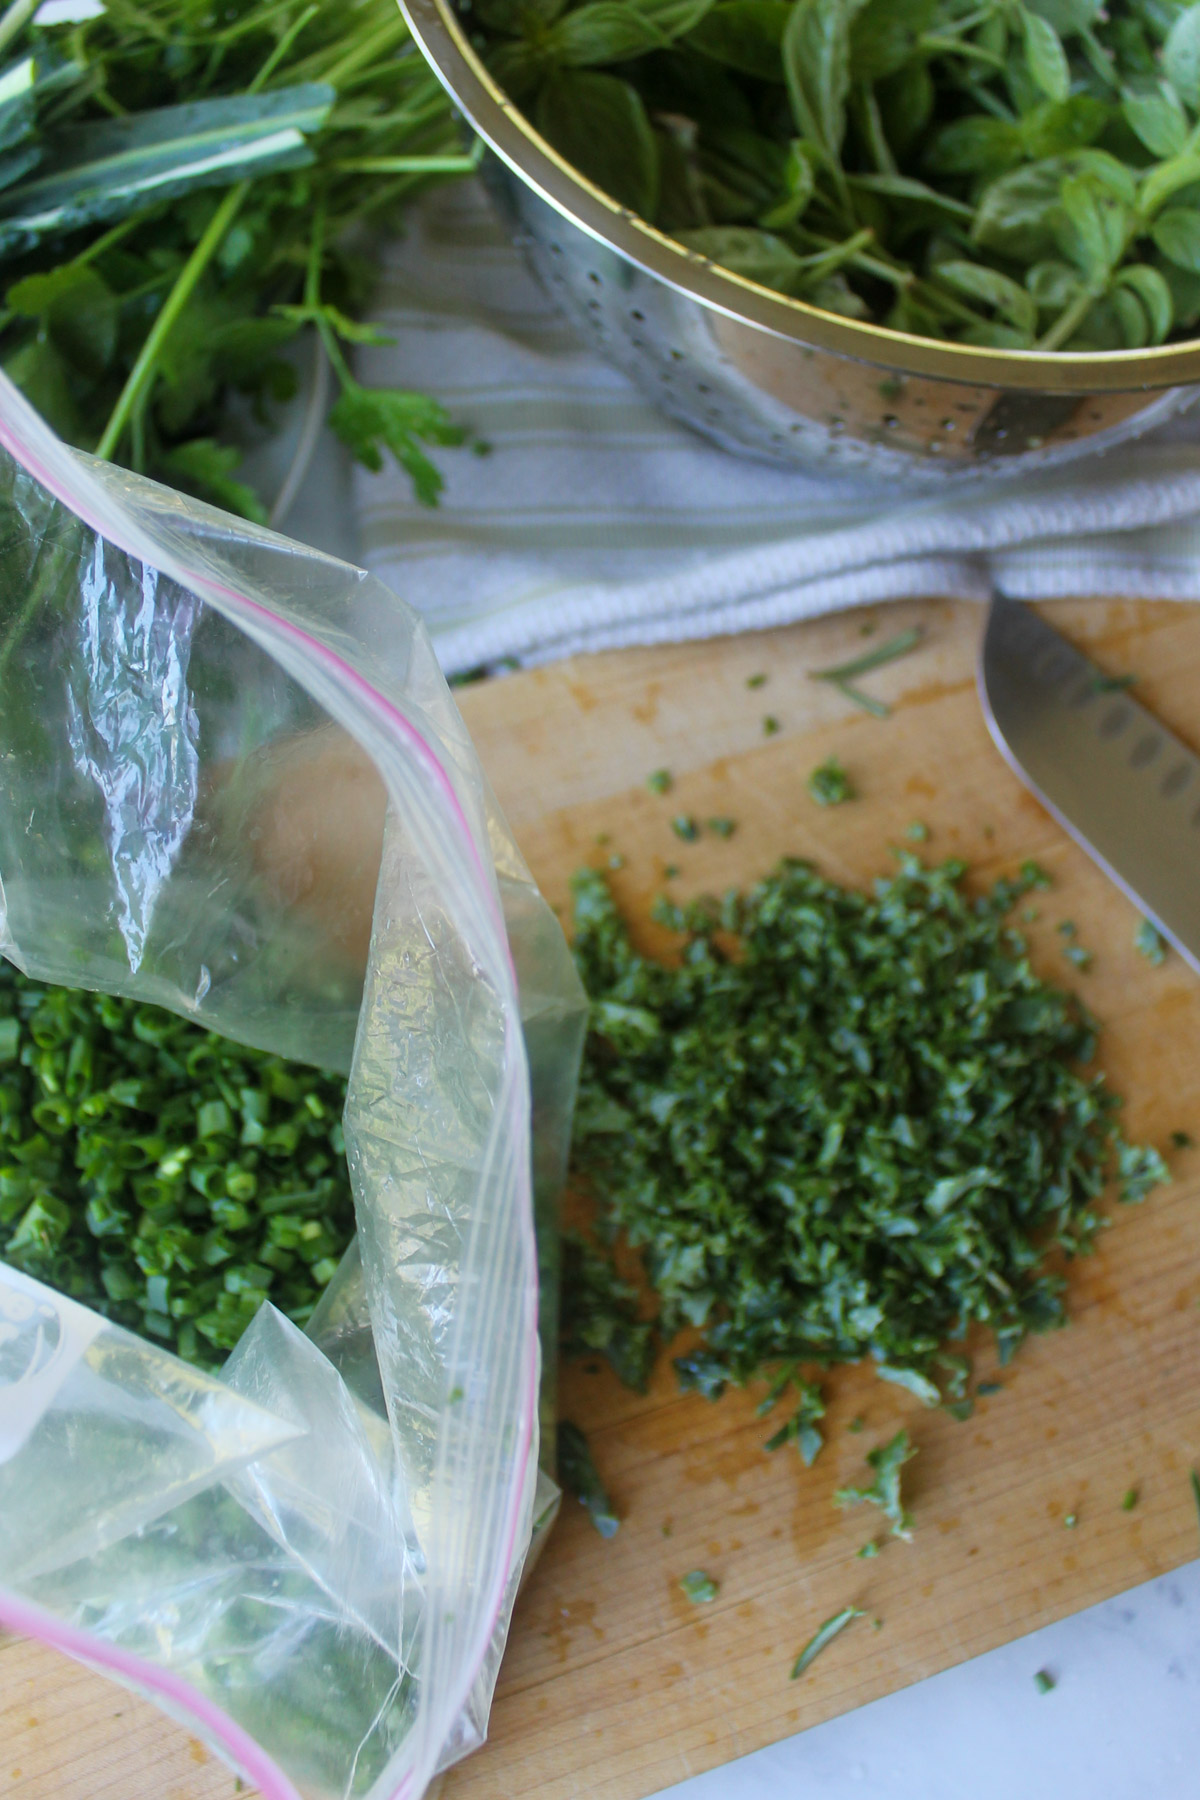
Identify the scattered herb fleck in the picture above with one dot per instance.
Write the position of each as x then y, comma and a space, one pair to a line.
1130, 1499
844, 675
962, 1410
1196, 1491
1071, 1521
1043, 1681
756, 681
660, 782
1181, 1141
699, 1588
616, 860
886, 1460
722, 828
1066, 928
454, 1396
917, 832
685, 827
824, 1635
770, 725
1079, 957
671, 872
990, 1387
1150, 941
829, 783
869, 1549
856, 1424
578, 1475
1112, 684
802, 1428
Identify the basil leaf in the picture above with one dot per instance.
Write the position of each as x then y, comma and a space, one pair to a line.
744, 34
1154, 295
1096, 226
816, 61
1045, 57
606, 31
1181, 56
1167, 179
1176, 231
599, 124
758, 255
1016, 213
976, 145
1157, 119
885, 36
1014, 302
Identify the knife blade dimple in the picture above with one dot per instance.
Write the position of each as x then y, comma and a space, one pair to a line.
1126, 788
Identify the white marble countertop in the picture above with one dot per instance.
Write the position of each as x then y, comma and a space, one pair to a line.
1121, 1723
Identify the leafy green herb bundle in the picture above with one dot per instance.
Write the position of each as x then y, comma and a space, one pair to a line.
844, 1126
166, 1177
181, 188
996, 172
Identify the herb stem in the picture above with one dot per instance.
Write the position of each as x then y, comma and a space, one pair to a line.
1070, 317
143, 370
900, 645
15, 20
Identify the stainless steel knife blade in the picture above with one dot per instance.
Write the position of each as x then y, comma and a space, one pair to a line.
1111, 774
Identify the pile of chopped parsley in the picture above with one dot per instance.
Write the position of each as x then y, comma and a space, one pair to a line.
166, 1177
842, 1125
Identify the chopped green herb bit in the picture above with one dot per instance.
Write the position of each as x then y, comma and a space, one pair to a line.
1078, 956
869, 1549
616, 860
802, 1429
454, 1396
962, 1410
829, 783
722, 828
990, 1387
988, 831
877, 1624
577, 1474
756, 681
1071, 1521
823, 1636
770, 725
1151, 943
1181, 1141
1130, 1499
808, 1059
162, 1175
699, 1588
1139, 1168
1111, 684
1196, 1490
666, 1528
603, 838
870, 628
1030, 914
900, 645
671, 872
856, 1424
887, 1460
1066, 928
660, 782
917, 832
600, 1315
685, 827
1043, 1681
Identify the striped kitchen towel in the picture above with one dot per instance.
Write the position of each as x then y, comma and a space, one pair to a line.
593, 521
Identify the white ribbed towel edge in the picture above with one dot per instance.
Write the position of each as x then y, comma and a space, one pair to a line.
595, 522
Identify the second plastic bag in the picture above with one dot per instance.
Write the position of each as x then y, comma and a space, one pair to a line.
235, 784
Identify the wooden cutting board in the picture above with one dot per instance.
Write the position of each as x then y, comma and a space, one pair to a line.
614, 1686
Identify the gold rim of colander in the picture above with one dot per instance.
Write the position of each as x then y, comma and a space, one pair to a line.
506, 130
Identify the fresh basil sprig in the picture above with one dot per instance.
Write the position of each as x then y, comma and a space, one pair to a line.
1006, 173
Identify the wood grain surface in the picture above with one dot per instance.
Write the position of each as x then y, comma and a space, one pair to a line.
614, 1686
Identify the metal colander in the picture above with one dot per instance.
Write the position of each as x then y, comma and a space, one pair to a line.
775, 378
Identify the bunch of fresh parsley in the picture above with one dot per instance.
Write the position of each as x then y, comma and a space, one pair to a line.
841, 1126
185, 187
997, 172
